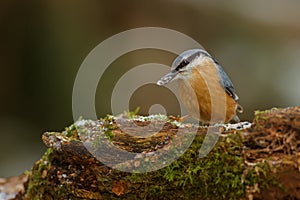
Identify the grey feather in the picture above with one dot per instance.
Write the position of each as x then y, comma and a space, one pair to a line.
226, 82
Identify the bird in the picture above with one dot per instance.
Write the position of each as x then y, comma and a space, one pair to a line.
204, 88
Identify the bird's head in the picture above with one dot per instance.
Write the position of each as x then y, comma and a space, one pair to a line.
183, 65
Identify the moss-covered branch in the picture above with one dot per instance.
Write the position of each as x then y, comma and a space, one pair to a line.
261, 161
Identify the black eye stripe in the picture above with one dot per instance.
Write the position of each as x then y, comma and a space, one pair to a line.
188, 60
182, 64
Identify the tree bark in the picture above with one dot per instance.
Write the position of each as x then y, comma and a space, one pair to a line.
260, 160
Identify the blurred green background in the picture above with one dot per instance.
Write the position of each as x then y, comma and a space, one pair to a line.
43, 44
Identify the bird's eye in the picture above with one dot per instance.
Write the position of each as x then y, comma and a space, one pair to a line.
185, 62
182, 64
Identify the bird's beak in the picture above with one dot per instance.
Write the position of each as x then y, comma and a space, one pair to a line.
167, 78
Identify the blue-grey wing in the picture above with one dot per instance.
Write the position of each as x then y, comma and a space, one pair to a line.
226, 82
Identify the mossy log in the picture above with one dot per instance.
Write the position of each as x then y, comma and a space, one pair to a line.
260, 160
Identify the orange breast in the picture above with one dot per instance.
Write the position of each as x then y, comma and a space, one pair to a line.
204, 97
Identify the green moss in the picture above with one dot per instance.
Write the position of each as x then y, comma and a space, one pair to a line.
42, 184
262, 115
37, 182
109, 126
132, 114
71, 131
62, 190
222, 174
217, 174
258, 115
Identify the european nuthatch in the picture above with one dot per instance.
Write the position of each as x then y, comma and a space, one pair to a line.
205, 89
